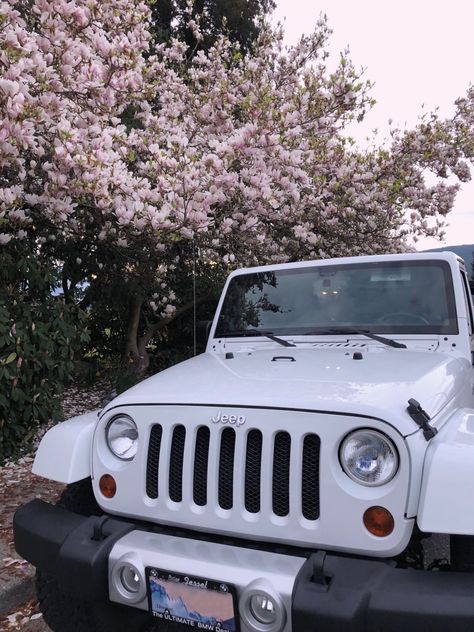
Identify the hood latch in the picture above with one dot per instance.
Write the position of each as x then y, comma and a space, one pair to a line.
422, 418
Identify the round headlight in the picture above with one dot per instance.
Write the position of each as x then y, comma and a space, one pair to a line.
121, 435
368, 457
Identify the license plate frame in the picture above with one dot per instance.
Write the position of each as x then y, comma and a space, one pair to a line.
192, 602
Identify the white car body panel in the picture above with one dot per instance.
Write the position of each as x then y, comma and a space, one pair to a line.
379, 385
448, 478
64, 454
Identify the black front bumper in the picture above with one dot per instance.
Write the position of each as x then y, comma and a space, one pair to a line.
73, 548
331, 593
349, 594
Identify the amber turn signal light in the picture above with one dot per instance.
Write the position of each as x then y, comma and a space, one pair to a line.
107, 485
379, 521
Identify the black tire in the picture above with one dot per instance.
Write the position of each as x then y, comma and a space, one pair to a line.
462, 553
79, 498
64, 612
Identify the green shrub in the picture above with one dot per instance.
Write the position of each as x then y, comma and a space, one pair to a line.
38, 337
37, 343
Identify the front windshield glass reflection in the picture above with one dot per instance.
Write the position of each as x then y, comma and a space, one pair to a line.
398, 297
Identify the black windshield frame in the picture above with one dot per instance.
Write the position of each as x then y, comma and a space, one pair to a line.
231, 314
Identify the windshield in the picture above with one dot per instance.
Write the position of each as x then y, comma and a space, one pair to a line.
413, 297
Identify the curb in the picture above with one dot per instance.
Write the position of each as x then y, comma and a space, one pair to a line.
14, 591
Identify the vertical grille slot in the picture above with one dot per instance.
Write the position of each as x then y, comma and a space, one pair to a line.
201, 458
153, 461
176, 464
281, 474
226, 468
253, 464
310, 477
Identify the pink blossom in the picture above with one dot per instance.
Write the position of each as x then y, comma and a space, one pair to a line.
8, 87
246, 156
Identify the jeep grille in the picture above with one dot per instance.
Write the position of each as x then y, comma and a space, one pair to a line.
256, 474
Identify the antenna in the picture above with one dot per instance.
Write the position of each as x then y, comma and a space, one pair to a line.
194, 298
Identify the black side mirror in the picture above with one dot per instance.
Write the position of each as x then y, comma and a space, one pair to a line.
203, 328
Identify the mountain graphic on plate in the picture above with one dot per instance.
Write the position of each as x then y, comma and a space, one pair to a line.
161, 601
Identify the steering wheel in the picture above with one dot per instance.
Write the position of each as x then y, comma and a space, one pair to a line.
393, 317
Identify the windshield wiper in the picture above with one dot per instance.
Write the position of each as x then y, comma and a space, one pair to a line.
258, 332
362, 332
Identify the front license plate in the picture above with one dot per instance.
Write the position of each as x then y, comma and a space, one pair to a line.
194, 602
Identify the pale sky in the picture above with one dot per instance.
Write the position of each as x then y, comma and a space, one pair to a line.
415, 51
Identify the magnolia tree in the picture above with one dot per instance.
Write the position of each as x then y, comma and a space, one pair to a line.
133, 168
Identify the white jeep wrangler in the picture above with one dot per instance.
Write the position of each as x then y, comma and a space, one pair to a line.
284, 480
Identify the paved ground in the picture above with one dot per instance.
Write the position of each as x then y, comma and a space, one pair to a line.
18, 607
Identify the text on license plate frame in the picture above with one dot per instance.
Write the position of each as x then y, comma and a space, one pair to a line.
196, 602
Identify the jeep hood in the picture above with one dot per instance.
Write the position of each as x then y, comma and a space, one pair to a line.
332, 380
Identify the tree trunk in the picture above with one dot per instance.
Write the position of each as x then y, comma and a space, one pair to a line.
136, 355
